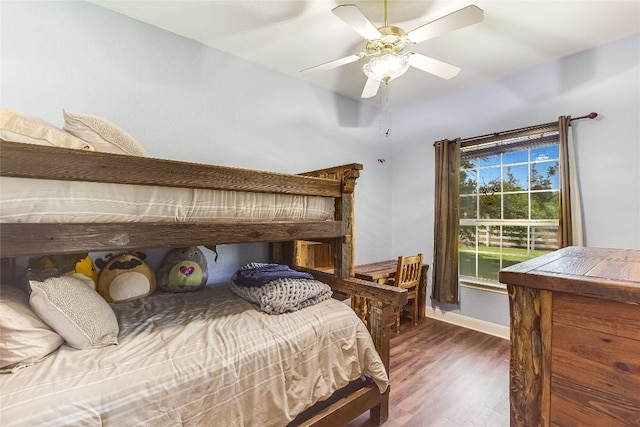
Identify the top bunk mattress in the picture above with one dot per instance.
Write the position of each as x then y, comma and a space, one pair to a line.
27, 200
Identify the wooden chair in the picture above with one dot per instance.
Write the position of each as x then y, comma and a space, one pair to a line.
408, 276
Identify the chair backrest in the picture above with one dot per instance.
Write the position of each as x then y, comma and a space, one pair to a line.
408, 271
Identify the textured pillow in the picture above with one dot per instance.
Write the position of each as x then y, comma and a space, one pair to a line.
24, 338
19, 127
75, 311
103, 135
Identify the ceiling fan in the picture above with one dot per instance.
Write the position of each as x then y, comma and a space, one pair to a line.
385, 45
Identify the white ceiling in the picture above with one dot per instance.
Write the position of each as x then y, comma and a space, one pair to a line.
291, 35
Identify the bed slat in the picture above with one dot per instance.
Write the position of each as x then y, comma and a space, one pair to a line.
37, 161
40, 239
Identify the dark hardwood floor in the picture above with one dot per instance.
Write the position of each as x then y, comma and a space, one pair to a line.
444, 375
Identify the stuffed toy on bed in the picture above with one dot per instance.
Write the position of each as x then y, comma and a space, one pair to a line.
125, 277
77, 265
183, 270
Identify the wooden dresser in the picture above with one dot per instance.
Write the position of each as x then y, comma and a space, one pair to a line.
575, 338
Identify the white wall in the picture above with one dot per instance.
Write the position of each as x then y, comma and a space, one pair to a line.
605, 80
182, 100
185, 101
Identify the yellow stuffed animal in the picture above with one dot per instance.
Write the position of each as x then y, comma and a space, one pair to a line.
78, 265
85, 268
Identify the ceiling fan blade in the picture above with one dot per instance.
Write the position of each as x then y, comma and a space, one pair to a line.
353, 17
370, 88
433, 66
461, 18
332, 64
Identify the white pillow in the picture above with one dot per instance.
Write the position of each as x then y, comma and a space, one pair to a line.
19, 127
75, 311
102, 134
24, 338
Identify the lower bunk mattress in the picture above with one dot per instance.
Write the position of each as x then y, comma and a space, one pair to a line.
203, 358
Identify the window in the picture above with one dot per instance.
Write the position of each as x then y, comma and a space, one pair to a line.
509, 204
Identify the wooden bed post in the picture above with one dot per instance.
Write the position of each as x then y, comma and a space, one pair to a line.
345, 208
342, 250
343, 247
381, 319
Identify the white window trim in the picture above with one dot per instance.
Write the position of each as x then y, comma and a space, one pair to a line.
488, 285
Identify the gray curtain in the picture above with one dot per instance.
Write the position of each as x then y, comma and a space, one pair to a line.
570, 224
446, 222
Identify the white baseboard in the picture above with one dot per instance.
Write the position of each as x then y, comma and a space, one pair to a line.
468, 322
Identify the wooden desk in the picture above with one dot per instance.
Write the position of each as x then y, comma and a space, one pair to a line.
378, 272
381, 272
575, 338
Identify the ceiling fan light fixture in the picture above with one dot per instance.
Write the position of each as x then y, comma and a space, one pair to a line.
386, 67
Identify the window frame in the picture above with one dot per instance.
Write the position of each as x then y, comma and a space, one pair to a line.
500, 147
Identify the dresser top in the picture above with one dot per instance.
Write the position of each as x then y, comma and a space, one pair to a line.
603, 273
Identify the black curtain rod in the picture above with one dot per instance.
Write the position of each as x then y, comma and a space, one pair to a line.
466, 142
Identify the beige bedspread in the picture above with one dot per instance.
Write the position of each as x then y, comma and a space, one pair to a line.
206, 358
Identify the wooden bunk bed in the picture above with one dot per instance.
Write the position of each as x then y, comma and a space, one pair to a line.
32, 238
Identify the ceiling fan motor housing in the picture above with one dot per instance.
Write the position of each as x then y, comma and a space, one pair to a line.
393, 40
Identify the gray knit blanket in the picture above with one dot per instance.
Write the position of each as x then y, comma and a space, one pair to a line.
281, 295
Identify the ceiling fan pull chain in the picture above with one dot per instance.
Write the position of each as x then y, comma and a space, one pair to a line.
385, 116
